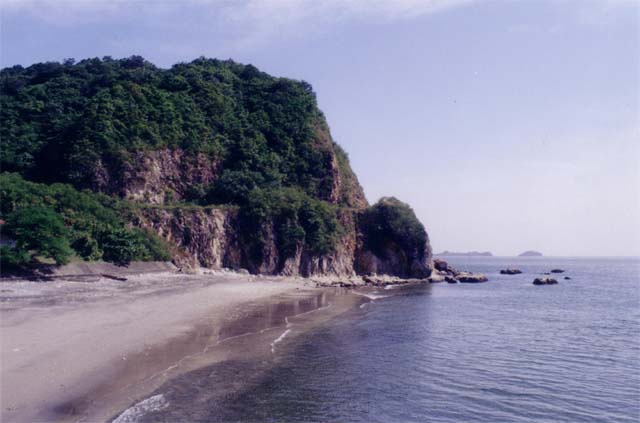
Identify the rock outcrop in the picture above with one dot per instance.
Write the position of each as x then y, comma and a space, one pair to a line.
510, 271
442, 272
466, 277
544, 281
229, 166
156, 176
209, 237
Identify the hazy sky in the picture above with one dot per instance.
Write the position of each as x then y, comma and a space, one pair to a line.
507, 125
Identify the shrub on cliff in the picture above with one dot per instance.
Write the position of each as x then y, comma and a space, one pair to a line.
57, 221
297, 218
390, 221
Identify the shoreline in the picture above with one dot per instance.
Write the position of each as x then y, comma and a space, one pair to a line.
86, 351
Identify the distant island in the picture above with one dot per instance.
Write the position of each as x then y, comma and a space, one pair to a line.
467, 254
530, 253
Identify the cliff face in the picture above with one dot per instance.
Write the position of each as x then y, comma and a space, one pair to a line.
230, 166
166, 175
155, 176
210, 238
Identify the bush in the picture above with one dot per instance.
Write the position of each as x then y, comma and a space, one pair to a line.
57, 221
39, 231
298, 220
234, 186
12, 259
392, 221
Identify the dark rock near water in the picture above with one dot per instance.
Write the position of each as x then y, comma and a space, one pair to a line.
510, 271
443, 272
442, 265
544, 281
557, 271
566, 278
466, 277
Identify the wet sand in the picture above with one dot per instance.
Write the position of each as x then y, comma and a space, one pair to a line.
78, 351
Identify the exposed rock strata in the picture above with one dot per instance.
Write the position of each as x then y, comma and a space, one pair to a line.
209, 237
166, 175
155, 176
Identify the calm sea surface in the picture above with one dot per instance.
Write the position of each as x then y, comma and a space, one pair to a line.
502, 351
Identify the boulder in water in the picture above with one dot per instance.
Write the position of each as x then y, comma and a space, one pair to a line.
544, 281
436, 277
467, 277
557, 271
510, 271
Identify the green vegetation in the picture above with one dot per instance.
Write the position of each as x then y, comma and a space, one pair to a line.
390, 221
57, 221
73, 127
73, 123
41, 231
66, 122
297, 218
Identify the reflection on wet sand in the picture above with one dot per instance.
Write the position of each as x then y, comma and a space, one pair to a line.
246, 333
265, 316
248, 340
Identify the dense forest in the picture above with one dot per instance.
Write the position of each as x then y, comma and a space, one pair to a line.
63, 126
59, 119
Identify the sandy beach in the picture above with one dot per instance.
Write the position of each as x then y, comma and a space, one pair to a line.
85, 351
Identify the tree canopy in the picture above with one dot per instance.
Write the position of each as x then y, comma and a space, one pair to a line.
57, 221
59, 121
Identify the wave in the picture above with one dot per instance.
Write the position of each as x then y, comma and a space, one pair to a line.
135, 413
372, 297
278, 339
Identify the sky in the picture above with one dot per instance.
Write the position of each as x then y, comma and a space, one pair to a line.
506, 125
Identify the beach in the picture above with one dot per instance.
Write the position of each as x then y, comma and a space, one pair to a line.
86, 351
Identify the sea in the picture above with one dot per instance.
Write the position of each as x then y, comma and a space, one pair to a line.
500, 351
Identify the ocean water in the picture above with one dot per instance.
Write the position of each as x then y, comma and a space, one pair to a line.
501, 351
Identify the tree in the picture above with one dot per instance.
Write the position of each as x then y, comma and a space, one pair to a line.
120, 247
392, 221
39, 231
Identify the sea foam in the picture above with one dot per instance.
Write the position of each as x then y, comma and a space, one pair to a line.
278, 339
133, 414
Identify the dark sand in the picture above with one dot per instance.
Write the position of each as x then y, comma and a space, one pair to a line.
75, 351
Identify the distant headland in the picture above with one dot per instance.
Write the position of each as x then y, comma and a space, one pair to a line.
530, 253
467, 254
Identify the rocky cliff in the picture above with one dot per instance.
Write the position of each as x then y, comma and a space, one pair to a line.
209, 237
167, 175
221, 164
